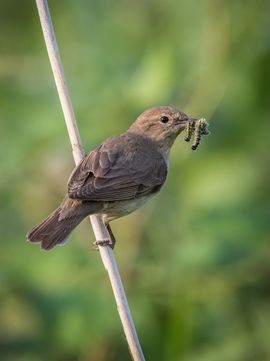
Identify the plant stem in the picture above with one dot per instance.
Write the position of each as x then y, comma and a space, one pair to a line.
99, 228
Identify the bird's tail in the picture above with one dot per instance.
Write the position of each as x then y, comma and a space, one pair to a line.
59, 224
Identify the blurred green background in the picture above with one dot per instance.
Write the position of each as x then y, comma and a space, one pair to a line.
196, 260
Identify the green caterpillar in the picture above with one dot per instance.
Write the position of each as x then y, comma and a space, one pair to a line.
196, 129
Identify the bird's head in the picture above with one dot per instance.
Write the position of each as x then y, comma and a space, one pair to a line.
161, 124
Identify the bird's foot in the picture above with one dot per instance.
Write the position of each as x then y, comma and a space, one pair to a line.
103, 243
106, 241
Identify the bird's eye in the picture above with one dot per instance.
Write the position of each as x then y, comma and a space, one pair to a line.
164, 119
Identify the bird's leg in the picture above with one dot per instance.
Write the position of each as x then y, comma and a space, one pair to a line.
113, 240
106, 242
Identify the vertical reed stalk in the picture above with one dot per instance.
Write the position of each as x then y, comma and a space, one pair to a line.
99, 229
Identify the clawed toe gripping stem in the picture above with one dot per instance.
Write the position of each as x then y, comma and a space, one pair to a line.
103, 243
107, 241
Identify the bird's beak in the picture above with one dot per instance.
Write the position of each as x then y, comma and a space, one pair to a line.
182, 123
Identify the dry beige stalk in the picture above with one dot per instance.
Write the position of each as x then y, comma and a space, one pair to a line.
99, 229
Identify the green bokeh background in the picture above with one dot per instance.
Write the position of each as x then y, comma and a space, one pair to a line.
195, 261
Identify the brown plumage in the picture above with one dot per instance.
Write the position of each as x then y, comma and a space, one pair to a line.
117, 177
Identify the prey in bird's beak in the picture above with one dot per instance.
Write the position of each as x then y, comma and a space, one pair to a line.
196, 128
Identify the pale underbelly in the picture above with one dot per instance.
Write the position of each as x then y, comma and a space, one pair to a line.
118, 209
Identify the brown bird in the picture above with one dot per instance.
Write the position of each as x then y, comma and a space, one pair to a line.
117, 177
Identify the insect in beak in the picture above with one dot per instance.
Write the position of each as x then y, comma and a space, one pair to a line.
196, 128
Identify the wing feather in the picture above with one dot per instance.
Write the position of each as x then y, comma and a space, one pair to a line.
118, 169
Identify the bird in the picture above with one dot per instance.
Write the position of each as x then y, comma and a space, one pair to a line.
117, 177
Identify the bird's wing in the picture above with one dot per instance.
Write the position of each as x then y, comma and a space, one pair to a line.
121, 168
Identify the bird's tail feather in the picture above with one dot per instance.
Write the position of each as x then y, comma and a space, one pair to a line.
53, 231
59, 224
